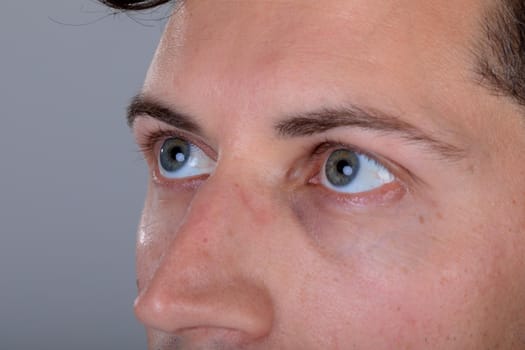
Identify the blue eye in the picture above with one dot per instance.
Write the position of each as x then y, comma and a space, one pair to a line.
179, 158
347, 171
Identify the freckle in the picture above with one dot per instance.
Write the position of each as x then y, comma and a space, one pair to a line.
471, 169
514, 201
421, 219
205, 240
439, 216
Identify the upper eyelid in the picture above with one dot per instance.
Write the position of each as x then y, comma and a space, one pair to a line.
147, 140
329, 145
152, 138
408, 178
306, 124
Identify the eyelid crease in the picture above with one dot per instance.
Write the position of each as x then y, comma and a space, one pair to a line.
402, 174
148, 140
321, 121
309, 123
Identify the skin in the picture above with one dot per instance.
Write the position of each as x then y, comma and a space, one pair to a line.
258, 254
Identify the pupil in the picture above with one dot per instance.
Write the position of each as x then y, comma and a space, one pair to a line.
344, 167
178, 154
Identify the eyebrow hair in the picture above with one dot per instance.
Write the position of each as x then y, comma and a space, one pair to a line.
326, 119
142, 105
307, 124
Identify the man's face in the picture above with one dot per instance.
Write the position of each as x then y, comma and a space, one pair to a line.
331, 175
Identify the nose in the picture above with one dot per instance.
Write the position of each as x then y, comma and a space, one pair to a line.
207, 278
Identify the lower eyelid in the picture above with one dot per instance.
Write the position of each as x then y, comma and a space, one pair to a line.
384, 175
174, 185
317, 160
381, 196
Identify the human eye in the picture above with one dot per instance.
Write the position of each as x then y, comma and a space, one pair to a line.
348, 171
178, 158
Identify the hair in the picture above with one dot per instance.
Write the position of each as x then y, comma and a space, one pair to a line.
133, 5
500, 55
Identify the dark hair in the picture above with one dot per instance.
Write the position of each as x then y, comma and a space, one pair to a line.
500, 55
133, 5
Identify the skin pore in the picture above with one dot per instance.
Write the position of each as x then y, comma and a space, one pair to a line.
257, 251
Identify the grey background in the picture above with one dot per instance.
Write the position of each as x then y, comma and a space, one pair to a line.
71, 179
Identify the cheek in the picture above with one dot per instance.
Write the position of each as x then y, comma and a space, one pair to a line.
379, 308
406, 275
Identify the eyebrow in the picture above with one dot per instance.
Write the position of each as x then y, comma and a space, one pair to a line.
141, 105
307, 124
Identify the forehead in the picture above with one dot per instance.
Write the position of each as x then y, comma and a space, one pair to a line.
408, 53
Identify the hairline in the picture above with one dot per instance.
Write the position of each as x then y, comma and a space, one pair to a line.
498, 53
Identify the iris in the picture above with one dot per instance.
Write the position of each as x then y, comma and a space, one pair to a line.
348, 171
342, 167
174, 154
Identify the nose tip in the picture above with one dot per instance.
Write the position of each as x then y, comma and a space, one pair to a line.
235, 306
206, 286
209, 276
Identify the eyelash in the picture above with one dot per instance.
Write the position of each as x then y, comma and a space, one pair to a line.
148, 143
148, 146
327, 145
